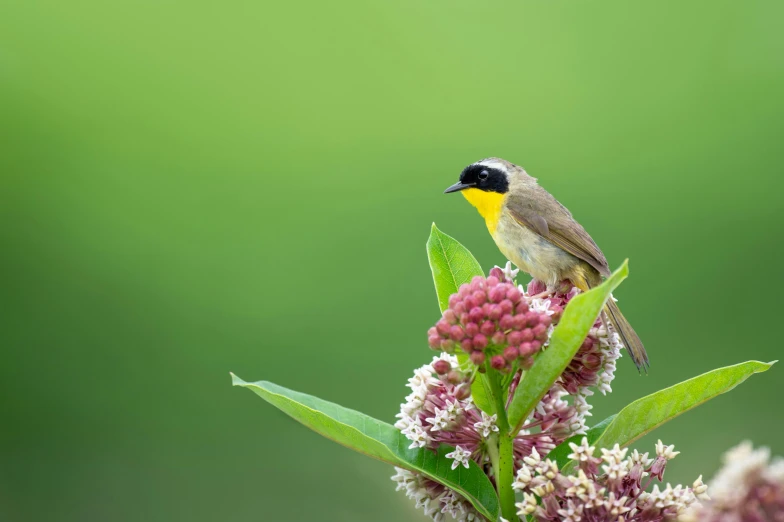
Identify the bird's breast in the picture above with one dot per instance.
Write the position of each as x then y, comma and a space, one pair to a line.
531, 252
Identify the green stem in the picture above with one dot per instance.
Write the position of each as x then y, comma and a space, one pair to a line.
491, 377
505, 477
494, 454
500, 448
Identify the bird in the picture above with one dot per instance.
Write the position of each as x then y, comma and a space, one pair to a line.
537, 233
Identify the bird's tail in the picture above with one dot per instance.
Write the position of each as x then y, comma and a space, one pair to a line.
629, 338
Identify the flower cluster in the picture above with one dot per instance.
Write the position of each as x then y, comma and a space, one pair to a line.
609, 488
434, 498
490, 318
748, 487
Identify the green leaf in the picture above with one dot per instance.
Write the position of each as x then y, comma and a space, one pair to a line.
451, 263
560, 454
578, 318
480, 394
379, 440
643, 415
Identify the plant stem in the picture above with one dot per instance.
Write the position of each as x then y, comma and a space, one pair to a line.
505, 476
501, 448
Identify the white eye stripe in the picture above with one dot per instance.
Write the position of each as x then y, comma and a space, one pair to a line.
493, 165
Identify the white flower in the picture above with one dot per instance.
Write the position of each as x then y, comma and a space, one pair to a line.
441, 420
666, 451
527, 506
487, 425
581, 452
572, 513
508, 272
460, 456
523, 478
541, 306
641, 459
415, 433
615, 507
533, 459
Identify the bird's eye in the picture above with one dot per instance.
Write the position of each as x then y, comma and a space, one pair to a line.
483, 175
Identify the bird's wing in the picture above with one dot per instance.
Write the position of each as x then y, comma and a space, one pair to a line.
551, 220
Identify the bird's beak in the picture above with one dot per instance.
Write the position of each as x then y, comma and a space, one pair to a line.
458, 187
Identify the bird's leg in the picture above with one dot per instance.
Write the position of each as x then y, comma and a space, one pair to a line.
542, 295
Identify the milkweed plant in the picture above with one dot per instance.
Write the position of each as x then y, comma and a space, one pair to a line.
495, 427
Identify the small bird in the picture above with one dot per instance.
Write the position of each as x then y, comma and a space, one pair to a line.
539, 235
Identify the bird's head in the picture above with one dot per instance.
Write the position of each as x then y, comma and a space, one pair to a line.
488, 175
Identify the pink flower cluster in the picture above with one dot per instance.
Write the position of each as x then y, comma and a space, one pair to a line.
594, 363
749, 487
495, 321
490, 318
439, 410
610, 488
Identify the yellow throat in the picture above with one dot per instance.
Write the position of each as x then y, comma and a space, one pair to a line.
489, 205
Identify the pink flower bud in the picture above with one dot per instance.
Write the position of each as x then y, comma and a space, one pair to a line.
515, 338
453, 300
471, 329
447, 345
449, 316
536, 345
497, 273
536, 287
480, 297
480, 342
487, 328
511, 353
464, 291
497, 362
456, 333
478, 357
545, 320
442, 367
506, 306
493, 280
514, 295
464, 318
526, 349
531, 318
432, 331
477, 281
540, 332
527, 335
587, 344
459, 308
466, 345
519, 321
469, 303
499, 338
495, 312
442, 327
497, 294
506, 322
434, 341
476, 315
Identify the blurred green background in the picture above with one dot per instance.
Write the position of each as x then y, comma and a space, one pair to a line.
193, 188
